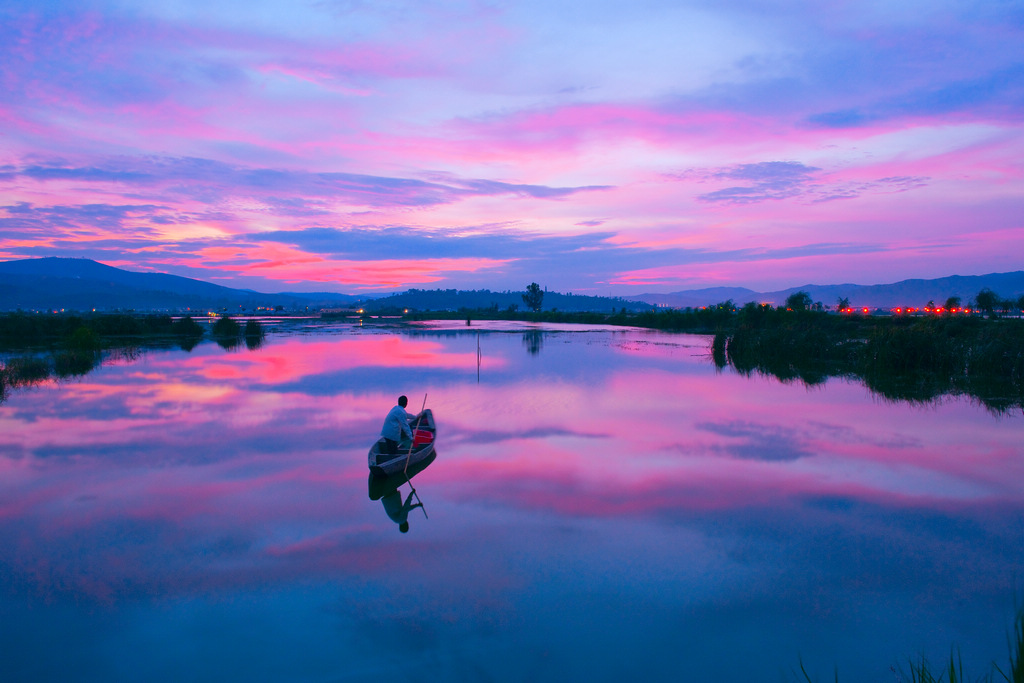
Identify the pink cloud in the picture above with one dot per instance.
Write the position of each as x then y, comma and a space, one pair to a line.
290, 265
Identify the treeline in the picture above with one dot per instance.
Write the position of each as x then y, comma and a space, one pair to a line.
900, 357
21, 330
912, 359
63, 346
507, 302
101, 331
697, 320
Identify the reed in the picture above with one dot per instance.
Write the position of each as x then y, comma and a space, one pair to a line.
21, 330
923, 671
914, 360
254, 334
227, 332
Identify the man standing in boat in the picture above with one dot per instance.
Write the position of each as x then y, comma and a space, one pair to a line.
396, 425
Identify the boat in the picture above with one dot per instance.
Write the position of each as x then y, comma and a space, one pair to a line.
424, 430
379, 486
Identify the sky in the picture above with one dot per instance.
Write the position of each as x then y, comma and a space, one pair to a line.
596, 147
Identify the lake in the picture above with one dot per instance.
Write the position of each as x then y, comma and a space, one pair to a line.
605, 505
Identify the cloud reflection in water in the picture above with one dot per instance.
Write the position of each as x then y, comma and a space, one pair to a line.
611, 489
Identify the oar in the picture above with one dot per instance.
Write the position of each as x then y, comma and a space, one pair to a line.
413, 444
418, 500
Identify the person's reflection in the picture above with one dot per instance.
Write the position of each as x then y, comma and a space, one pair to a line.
399, 511
388, 491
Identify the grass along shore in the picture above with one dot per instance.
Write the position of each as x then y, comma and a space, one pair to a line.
39, 347
901, 357
912, 358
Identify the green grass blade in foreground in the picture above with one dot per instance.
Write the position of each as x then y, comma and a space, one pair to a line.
1016, 646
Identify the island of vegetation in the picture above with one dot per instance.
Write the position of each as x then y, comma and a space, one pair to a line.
36, 347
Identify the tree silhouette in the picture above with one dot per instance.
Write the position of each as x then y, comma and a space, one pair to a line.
952, 302
534, 297
986, 300
799, 301
843, 302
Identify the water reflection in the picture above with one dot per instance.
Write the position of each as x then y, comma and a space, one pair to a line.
533, 340
387, 489
613, 495
25, 371
918, 368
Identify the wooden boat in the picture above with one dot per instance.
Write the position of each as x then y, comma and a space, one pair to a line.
424, 431
379, 486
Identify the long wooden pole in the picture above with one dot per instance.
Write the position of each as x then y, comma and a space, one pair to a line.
418, 500
413, 444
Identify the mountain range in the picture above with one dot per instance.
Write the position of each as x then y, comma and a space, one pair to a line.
82, 284
915, 293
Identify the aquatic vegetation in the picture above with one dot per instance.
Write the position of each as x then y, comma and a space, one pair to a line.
914, 359
186, 327
254, 334
226, 326
923, 671
75, 362
83, 339
227, 332
22, 371
21, 330
1015, 671
188, 332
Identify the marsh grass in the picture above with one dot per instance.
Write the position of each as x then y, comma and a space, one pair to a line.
254, 334
92, 332
1015, 644
75, 362
22, 371
908, 359
227, 332
923, 671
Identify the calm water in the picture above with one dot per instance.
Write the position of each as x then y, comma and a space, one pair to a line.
604, 506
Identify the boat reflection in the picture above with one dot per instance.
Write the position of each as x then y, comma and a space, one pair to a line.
387, 489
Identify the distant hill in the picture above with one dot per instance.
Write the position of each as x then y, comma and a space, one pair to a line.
904, 293
83, 284
453, 300
696, 298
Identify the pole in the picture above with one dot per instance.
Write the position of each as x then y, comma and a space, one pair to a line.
418, 500
413, 444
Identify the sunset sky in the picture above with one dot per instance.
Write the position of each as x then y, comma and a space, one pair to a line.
595, 147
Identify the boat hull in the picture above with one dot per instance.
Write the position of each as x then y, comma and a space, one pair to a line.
380, 485
383, 464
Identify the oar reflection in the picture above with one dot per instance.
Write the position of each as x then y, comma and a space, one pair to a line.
387, 490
